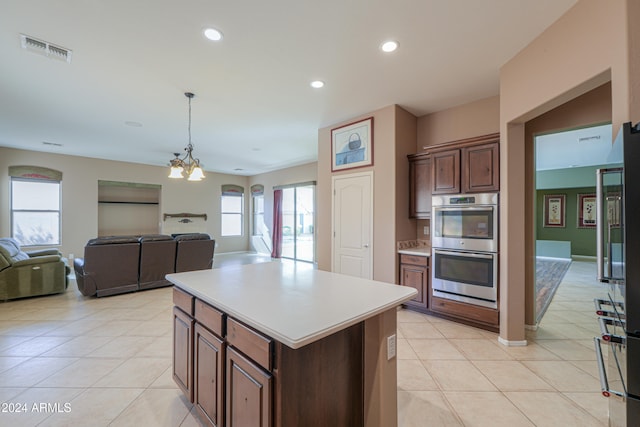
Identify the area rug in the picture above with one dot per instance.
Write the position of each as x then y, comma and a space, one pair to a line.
549, 274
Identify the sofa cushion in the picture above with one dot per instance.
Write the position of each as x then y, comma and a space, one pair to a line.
154, 238
193, 236
113, 240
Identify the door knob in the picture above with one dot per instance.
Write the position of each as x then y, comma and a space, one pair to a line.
365, 246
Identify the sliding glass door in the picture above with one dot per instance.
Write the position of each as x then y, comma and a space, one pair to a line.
298, 222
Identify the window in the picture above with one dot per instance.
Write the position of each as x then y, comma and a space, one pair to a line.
231, 203
35, 211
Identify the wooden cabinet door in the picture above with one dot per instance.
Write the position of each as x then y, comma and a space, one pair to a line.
416, 277
481, 168
446, 172
183, 351
208, 375
249, 393
420, 188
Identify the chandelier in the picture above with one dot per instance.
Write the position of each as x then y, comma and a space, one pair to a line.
188, 163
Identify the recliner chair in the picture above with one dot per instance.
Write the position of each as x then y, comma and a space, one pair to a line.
194, 252
109, 267
26, 274
157, 259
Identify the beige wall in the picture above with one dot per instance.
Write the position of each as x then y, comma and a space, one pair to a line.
389, 123
80, 195
594, 107
477, 118
585, 48
298, 174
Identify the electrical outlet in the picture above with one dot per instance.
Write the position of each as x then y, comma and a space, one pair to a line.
71, 257
426, 230
391, 347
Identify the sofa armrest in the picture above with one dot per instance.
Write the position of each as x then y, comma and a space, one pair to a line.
37, 260
42, 252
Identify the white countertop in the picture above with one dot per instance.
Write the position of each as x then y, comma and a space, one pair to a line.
416, 251
291, 302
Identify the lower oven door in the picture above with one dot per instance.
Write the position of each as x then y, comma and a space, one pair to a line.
466, 276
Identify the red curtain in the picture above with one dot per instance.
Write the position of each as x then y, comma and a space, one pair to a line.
276, 251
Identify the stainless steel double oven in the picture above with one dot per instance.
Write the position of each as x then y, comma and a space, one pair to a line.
465, 248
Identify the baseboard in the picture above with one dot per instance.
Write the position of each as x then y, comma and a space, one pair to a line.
583, 258
508, 343
531, 327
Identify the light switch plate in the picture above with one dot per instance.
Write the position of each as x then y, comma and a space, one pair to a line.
391, 347
426, 230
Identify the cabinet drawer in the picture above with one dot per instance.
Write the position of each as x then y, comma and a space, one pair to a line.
183, 300
255, 345
467, 311
209, 317
414, 259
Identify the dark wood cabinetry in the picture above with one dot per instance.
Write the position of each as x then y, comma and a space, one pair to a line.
446, 172
209, 360
237, 377
466, 166
481, 171
414, 272
420, 186
249, 392
475, 315
183, 351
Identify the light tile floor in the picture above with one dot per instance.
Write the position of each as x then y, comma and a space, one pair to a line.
107, 361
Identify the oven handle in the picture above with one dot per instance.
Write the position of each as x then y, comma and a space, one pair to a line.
465, 208
466, 254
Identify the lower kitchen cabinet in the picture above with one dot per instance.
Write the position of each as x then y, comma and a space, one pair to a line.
483, 317
209, 361
414, 272
183, 351
249, 393
238, 377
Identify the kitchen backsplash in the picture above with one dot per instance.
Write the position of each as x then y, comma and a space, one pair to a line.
412, 244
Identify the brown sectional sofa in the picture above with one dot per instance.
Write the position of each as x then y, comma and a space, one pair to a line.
118, 264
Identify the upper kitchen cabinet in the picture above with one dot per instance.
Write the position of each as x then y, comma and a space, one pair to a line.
446, 172
419, 186
481, 168
466, 166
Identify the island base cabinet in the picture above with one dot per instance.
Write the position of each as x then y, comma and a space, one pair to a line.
182, 351
249, 393
209, 363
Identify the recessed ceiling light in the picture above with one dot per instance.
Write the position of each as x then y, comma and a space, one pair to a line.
389, 46
213, 34
133, 124
317, 84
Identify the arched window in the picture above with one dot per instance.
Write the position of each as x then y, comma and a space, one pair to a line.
35, 205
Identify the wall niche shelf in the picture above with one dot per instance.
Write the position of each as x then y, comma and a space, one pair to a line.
184, 215
128, 208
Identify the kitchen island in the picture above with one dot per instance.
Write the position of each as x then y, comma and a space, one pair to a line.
283, 344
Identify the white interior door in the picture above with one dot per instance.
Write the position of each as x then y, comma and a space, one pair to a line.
353, 225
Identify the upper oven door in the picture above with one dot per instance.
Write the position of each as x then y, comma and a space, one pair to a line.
473, 228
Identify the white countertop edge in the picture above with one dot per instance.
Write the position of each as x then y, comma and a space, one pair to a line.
426, 252
293, 343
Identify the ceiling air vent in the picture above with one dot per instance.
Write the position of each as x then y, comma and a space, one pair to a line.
45, 48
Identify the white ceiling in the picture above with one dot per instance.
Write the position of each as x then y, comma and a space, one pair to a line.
254, 109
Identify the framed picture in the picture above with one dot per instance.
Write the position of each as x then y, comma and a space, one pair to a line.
586, 210
352, 145
554, 210
613, 210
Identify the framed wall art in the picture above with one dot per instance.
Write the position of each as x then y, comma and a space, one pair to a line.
352, 145
554, 210
586, 210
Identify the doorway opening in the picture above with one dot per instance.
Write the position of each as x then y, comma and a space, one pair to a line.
298, 222
565, 218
